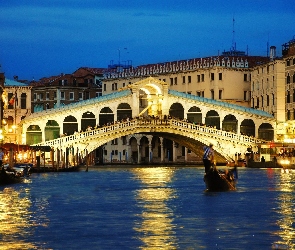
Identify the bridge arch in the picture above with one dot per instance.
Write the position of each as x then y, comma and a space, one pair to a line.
106, 116
88, 120
52, 130
194, 114
212, 119
34, 134
248, 127
124, 111
176, 110
70, 125
230, 123
266, 132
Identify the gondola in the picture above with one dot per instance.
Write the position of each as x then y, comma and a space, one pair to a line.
217, 180
7, 177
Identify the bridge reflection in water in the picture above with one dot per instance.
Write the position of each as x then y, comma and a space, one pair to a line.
156, 228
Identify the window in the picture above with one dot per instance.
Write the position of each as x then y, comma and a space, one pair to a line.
183, 79
203, 77
41, 96
288, 79
267, 100
220, 76
23, 101
245, 95
62, 95
175, 80
212, 94
104, 87
114, 142
189, 92
220, 94
80, 96
47, 96
198, 93
54, 95
273, 99
198, 78
123, 84
288, 96
71, 96
171, 81
245, 77
35, 97
288, 62
189, 79
212, 76
97, 94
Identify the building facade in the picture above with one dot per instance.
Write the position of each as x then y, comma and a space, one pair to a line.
54, 91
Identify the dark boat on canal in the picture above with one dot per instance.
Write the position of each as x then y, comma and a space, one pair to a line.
9, 177
47, 169
217, 180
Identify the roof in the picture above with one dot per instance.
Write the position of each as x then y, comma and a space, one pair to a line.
12, 83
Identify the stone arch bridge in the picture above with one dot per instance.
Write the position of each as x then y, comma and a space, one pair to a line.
149, 108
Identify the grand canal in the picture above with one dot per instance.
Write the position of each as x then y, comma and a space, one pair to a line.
148, 208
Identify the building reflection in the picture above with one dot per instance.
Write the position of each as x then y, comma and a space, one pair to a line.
156, 230
286, 204
15, 220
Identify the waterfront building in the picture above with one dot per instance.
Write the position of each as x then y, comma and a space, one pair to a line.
15, 106
288, 128
52, 92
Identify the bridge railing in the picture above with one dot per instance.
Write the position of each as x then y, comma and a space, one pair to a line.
152, 122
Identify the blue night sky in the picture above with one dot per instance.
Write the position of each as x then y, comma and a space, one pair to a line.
41, 38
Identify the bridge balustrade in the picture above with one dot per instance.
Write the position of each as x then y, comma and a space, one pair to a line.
183, 126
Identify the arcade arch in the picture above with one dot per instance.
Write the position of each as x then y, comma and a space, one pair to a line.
106, 115
177, 110
194, 114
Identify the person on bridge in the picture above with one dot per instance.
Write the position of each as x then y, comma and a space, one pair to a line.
208, 157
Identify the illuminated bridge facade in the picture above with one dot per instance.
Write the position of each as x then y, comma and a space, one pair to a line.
140, 120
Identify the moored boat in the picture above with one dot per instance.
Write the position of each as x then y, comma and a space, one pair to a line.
217, 180
9, 177
47, 169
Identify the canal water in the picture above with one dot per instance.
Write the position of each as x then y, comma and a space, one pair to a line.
148, 208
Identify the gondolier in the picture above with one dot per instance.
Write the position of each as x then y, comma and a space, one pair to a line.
208, 157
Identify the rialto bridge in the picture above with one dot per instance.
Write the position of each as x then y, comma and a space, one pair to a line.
147, 122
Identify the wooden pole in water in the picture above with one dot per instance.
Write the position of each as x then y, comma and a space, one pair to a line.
87, 158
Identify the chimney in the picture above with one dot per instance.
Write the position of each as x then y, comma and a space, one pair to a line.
272, 54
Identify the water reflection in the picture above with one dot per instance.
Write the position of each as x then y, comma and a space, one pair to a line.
286, 203
15, 219
156, 227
